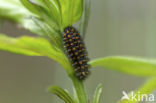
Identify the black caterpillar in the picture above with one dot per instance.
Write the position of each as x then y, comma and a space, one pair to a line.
75, 49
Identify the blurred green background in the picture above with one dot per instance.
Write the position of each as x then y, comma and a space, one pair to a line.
116, 27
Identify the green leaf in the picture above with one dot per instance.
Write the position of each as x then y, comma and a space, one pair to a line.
54, 9
12, 10
15, 11
147, 88
62, 94
31, 7
33, 46
13, 45
128, 65
48, 22
71, 11
42, 11
97, 94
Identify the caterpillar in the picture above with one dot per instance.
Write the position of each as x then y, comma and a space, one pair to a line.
76, 52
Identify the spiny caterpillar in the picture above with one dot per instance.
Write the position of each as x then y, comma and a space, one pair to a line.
76, 52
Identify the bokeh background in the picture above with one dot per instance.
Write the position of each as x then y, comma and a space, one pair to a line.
116, 27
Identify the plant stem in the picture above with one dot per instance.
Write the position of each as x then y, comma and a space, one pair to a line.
80, 90
78, 84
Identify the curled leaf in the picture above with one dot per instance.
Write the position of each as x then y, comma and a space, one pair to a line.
97, 94
62, 94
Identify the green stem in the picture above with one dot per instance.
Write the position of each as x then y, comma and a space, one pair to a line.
78, 84
80, 90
